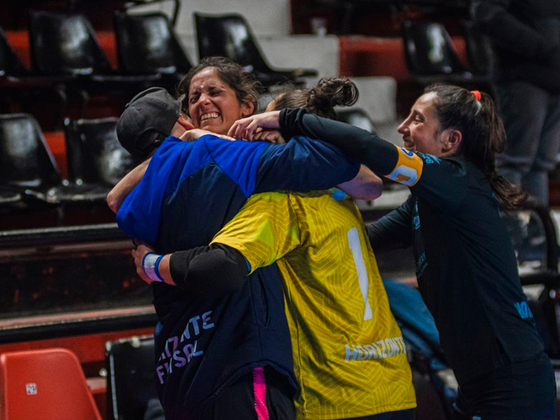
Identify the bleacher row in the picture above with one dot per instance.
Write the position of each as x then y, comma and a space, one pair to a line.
67, 57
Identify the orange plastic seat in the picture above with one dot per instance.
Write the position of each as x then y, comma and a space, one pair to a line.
48, 384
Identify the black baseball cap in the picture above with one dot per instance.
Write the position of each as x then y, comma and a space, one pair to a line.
147, 120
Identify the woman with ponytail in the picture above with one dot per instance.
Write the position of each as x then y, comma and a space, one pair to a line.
465, 262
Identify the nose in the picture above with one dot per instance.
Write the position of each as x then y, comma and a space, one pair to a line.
204, 98
403, 128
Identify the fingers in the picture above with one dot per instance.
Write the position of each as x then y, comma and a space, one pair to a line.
238, 128
138, 255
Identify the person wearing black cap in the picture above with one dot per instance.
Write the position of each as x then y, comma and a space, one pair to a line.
217, 356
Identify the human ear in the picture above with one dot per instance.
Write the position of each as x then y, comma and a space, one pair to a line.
247, 108
453, 140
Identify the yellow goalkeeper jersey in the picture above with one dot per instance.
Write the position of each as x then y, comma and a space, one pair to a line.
349, 354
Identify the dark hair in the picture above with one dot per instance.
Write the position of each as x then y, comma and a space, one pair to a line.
483, 132
320, 99
244, 83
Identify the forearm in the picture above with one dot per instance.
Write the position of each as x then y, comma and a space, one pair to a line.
359, 145
365, 186
120, 191
393, 231
208, 271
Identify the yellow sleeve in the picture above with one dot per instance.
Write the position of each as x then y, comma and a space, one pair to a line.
264, 230
408, 169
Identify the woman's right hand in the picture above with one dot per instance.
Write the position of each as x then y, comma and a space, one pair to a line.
247, 128
195, 133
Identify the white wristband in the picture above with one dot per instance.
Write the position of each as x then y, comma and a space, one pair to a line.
150, 265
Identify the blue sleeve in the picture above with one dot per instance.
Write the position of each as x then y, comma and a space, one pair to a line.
303, 165
140, 213
300, 165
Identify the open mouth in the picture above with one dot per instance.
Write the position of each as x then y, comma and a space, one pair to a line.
208, 116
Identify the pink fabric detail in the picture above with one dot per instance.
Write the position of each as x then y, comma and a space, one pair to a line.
259, 386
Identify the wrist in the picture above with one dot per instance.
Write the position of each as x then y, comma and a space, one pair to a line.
150, 266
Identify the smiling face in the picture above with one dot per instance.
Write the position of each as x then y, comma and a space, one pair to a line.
213, 104
421, 129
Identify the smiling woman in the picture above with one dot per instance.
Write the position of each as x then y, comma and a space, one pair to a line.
465, 262
218, 93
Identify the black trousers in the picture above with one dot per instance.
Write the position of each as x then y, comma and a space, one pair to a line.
237, 401
518, 391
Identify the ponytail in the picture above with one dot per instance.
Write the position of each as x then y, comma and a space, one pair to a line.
474, 115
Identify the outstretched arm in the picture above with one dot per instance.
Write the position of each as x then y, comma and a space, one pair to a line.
359, 145
242, 246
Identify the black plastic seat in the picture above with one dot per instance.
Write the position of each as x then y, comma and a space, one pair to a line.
65, 45
429, 51
431, 57
147, 44
230, 36
9, 61
357, 117
28, 166
131, 378
18, 85
96, 160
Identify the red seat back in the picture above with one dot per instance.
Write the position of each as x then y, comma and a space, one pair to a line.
48, 384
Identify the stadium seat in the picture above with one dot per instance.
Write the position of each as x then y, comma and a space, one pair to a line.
48, 384
28, 166
9, 61
148, 45
96, 160
230, 36
429, 51
19, 85
66, 46
130, 380
431, 57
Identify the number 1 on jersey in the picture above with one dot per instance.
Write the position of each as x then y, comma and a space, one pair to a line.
363, 280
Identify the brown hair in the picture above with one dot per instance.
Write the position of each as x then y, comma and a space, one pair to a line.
320, 99
244, 83
483, 134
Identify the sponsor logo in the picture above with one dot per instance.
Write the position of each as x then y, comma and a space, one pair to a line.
381, 349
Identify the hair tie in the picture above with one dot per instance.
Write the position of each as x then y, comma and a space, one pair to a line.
477, 94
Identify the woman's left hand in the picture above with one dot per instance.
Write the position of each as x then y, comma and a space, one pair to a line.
248, 128
138, 253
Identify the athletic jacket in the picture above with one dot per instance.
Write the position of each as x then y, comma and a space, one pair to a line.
189, 191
